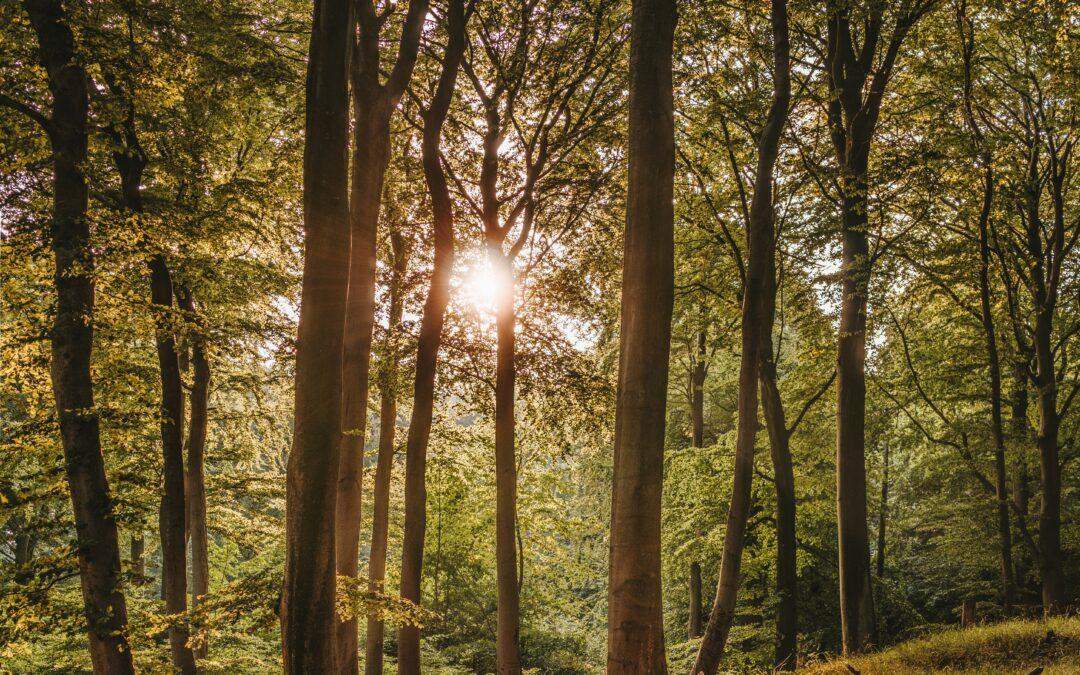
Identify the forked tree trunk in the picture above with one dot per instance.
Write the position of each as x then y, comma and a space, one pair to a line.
308, 619
756, 346
373, 106
195, 476
371, 153
380, 526
635, 611
72, 343
431, 326
131, 162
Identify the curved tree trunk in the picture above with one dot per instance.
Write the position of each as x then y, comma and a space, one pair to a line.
756, 345
635, 610
308, 618
427, 348
72, 343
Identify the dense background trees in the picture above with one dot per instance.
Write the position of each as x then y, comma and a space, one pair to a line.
156, 196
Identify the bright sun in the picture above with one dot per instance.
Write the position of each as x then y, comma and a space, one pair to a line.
482, 286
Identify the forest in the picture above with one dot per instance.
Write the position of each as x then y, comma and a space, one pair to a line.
539, 336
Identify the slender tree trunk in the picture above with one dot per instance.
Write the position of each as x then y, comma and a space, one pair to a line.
1000, 470
508, 657
173, 508
787, 576
130, 163
72, 343
431, 326
138, 562
694, 623
373, 647
371, 153
308, 619
196, 449
883, 511
756, 346
1021, 491
856, 599
1053, 577
697, 394
635, 610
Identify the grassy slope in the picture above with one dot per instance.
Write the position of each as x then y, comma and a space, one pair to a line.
1011, 647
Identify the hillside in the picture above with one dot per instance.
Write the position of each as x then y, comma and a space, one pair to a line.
1010, 647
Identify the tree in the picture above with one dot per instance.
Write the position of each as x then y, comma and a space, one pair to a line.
635, 616
72, 337
756, 347
308, 623
857, 82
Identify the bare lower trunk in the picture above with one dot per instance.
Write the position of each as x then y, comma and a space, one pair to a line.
508, 657
138, 562
694, 622
430, 339
1005, 567
1051, 567
196, 449
173, 508
697, 394
756, 346
635, 610
371, 152
72, 342
883, 511
308, 617
380, 526
856, 599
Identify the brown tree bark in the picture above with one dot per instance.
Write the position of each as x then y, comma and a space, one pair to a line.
756, 346
373, 105
387, 428
856, 90
431, 325
72, 340
131, 162
635, 610
308, 618
697, 394
195, 479
883, 511
694, 622
967, 35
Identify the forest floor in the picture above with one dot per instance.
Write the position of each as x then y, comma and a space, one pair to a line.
1010, 647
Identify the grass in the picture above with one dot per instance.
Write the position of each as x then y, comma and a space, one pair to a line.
1011, 647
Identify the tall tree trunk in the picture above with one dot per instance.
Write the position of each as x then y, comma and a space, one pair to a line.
787, 577
635, 610
195, 484
380, 526
308, 618
371, 153
72, 343
138, 562
130, 162
883, 511
373, 106
507, 655
430, 339
856, 599
694, 622
1021, 491
697, 394
1000, 469
173, 508
756, 347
